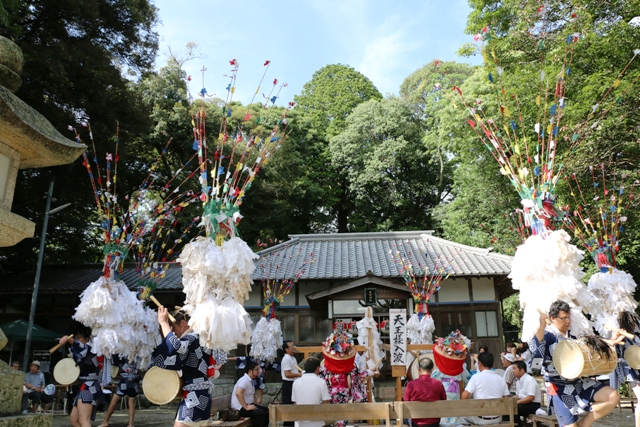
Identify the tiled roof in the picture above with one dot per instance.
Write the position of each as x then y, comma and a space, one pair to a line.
75, 278
336, 256
353, 255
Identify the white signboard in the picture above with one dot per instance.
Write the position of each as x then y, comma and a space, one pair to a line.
398, 335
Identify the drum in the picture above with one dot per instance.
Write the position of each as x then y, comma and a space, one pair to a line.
66, 372
339, 365
413, 371
384, 327
448, 364
574, 359
632, 356
50, 390
161, 386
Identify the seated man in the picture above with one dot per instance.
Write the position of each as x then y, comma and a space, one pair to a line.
486, 384
527, 390
425, 389
34, 382
310, 389
243, 397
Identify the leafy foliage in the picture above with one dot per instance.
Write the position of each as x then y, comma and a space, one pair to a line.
526, 38
386, 167
77, 56
323, 107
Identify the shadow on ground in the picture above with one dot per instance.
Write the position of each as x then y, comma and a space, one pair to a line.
164, 416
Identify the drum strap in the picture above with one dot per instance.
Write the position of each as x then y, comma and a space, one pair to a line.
204, 385
90, 377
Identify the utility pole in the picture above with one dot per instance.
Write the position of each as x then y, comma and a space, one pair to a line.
34, 296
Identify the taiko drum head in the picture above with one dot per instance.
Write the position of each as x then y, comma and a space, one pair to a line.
66, 372
414, 369
574, 359
161, 386
632, 356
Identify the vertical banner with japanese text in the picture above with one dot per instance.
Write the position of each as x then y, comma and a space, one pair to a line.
398, 336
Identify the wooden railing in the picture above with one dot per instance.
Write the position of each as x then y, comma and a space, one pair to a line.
396, 412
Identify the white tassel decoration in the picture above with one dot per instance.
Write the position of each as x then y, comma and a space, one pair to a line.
613, 293
420, 331
266, 339
546, 270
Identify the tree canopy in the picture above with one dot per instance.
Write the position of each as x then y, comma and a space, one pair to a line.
79, 61
352, 160
322, 109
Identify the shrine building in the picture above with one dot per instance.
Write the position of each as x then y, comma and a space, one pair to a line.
344, 273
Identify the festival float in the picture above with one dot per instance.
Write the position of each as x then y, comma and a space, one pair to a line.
420, 326
266, 337
217, 267
546, 266
121, 324
597, 217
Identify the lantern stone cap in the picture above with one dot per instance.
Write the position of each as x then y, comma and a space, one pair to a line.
14, 228
32, 135
11, 61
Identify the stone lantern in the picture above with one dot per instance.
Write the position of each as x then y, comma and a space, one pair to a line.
27, 140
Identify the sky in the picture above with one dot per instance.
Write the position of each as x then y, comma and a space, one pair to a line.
384, 40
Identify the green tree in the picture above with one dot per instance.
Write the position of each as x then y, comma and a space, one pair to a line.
322, 109
527, 38
422, 90
330, 96
477, 214
80, 58
278, 203
389, 174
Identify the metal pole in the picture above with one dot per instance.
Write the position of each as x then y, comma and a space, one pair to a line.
34, 296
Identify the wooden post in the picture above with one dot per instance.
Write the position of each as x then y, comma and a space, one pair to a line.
398, 372
370, 341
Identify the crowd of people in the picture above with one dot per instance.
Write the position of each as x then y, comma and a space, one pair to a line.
181, 351
568, 398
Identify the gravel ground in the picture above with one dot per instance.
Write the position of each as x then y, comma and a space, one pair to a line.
164, 416
155, 416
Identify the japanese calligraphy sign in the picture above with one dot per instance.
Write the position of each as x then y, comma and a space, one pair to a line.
398, 336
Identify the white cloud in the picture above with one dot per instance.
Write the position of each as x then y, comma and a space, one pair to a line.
384, 60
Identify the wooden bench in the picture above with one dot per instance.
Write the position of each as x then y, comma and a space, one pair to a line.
625, 402
221, 404
459, 408
329, 413
547, 420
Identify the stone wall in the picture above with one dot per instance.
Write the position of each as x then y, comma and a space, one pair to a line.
11, 382
269, 393
31, 420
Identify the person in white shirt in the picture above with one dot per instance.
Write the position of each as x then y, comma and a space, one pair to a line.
486, 384
290, 372
243, 397
527, 390
310, 389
